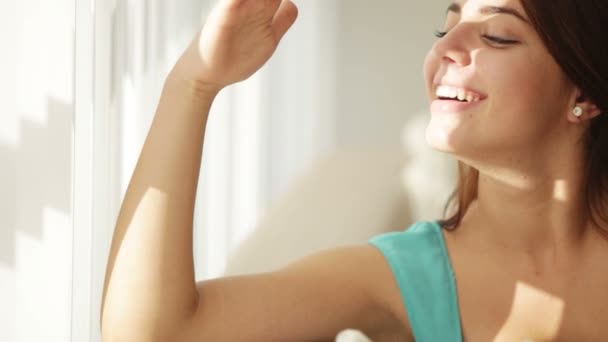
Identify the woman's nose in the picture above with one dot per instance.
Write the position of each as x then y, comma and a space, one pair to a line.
459, 58
454, 47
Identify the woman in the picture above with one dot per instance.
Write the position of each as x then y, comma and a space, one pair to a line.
517, 90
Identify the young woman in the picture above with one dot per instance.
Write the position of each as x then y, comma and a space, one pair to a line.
517, 91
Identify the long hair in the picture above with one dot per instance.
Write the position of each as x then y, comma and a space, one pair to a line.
573, 31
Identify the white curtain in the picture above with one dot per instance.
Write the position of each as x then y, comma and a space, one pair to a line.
262, 132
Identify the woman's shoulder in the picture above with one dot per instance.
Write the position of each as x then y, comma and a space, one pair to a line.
417, 236
422, 270
421, 244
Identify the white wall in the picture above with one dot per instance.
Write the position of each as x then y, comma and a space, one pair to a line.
381, 46
36, 64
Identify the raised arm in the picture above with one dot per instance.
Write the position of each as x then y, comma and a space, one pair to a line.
150, 292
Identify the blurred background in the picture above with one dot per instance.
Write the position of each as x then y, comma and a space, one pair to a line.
323, 147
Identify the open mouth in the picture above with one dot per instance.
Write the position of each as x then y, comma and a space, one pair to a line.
451, 93
453, 99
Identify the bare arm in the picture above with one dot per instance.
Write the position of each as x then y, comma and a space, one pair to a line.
150, 285
150, 292
310, 300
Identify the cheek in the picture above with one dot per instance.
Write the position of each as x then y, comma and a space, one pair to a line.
529, 84
527, 94
515, 87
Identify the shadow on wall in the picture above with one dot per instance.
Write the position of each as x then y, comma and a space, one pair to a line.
349, 197
35, 175
344, 199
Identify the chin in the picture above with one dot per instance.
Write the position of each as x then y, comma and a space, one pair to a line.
441, 138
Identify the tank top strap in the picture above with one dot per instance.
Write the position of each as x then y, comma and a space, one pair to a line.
421, 265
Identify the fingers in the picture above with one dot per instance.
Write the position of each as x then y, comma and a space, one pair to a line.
284, 18
283, 12
272, 5
254, 6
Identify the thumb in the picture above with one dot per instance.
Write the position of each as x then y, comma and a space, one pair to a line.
284, 18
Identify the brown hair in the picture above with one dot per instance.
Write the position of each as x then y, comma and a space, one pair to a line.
573, 32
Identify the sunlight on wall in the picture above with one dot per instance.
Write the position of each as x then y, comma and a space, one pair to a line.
8, 288
131, 134
36, 65
45, 58
42, 290
9, 124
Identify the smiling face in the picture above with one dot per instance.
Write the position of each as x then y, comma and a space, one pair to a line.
516, 97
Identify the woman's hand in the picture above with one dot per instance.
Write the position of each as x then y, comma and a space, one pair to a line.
238, 39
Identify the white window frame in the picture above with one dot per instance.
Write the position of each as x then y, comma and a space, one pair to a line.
83, 172
94, 187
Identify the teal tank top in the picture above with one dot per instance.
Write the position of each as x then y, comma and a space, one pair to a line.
421, 265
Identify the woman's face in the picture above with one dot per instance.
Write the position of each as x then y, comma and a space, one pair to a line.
516, 98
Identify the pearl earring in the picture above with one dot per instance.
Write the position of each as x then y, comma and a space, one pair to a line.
578, 111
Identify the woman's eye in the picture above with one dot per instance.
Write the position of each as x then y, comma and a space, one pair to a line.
499, 40
490, 38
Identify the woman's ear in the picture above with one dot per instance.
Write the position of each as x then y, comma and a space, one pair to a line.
594, 110
589, 109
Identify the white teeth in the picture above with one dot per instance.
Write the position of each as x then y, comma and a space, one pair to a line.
453, 93
456, 93
461, 95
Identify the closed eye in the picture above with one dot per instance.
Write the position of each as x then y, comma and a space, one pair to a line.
499, 40
493, 39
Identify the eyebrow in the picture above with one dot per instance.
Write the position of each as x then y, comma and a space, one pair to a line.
488, 10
